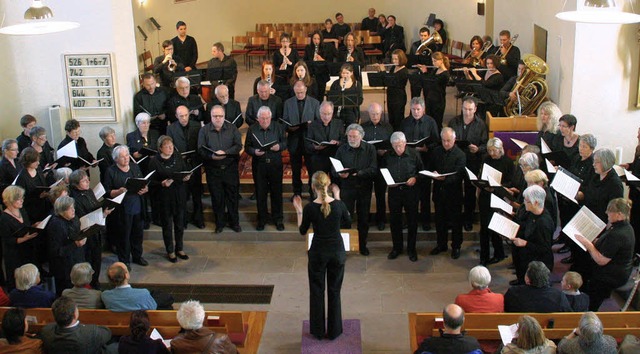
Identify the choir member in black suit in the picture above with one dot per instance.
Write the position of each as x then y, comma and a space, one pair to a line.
346, 94
285, 57
72, 128
472, 132
185, 47
350, 53
423, 57
327, 256
403, 164
534, 238
152, 100
262, 98
356, 185
509, 56
184, 133
548, 115
301, 73
221, 166
326, 129
329, 34
612, 254
497, 159
41, 145
8, 165
370, 23
297, 110
64, 247
108, 137
167, 64
435, 87
33, 181
85, 203
416, 127
397, 92
438, 26
492, 79
173, 196
634, 192
341, 29
376, 129
317, 55
447, 192
27, 122
568, 139
225, 69
16, 251
232, 110
184, 97
130, 213
392, 36
266, 165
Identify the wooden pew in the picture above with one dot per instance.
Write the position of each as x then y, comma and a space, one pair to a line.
484, 326
243, 327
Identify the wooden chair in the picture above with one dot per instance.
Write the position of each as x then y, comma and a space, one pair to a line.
370, 51
260, 49
456, 46
239, 48
147, 61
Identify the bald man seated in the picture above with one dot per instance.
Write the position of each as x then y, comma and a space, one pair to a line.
124, 298
452, 340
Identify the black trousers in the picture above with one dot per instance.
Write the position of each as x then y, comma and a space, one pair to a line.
172, 227
415, 81
424, 191
469, 201
195, 191
130, 237
396, 113
326, 261
223, 186
598, 291
358, 198
448, 212
436, 109
268, 177
317, 163
487, 236
380, 188
93, 255
296, 160
403, 197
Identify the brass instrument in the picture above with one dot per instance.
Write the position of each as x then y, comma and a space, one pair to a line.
171, 65
435, 37
503, 57
531, 89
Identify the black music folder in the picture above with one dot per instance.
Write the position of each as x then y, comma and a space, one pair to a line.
182, 174
135, 184
424, 141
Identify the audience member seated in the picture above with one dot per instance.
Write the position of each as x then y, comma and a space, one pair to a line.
123, 297
629, 345
84, 296
452, 339
571, 283
28, 293
196, 338
530, 339
68, 335
481, 298
588, 338
14, 329
139, 342
536, 295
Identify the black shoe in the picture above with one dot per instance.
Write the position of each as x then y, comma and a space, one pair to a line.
141, 261
199, 225
260, 227
494, 260
364, 251
186, 226
236, 228
413, 256
426, 227
455, 253
147, 225
567, 260
280, 226
393, 254
564, 249
182, 255
515, 282
468, 226
173, 259
253, 196
219, 229
380, 226
437, 251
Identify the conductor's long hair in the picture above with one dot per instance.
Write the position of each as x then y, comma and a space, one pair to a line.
320, 182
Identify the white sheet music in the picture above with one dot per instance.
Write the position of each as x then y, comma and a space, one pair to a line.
488, 171
99, 191
544, 148
503, 226
472, 176
93, 218
68, 150
435, 174
620, 171
345, 240
630, 176
565, 185
388, 179
585, 223
550, 167
119, 198
156, 335
337, 164
521, 144
507, 333
498, 203
493, 182
43, 223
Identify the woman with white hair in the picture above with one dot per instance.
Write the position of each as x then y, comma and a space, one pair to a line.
85, 297
534, 239
481, 298
196, 338
589, 337
28, 293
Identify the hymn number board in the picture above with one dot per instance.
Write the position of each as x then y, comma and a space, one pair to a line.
91, 87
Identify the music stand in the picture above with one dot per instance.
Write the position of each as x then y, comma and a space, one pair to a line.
344, 99
384, 80
430, 20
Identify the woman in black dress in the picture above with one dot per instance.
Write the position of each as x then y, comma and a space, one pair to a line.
172, 195
397, 93
34, 183
16, 251
40, 144
72, 128
346, 94
317, 55
349, 53
285, 57
8, 164
301, 73
435, 88
568, 140
329, 34
475, 57
492, 79
612, 254
548, 115
108, 137
327, 256
278, 84
634, 192
65, 249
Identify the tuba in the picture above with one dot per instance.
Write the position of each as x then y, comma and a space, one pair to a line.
423, 48
531, 89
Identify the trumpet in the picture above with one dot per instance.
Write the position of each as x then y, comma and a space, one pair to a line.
172, 65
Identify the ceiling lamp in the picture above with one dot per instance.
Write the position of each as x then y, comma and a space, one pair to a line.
37, 22
600, 12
